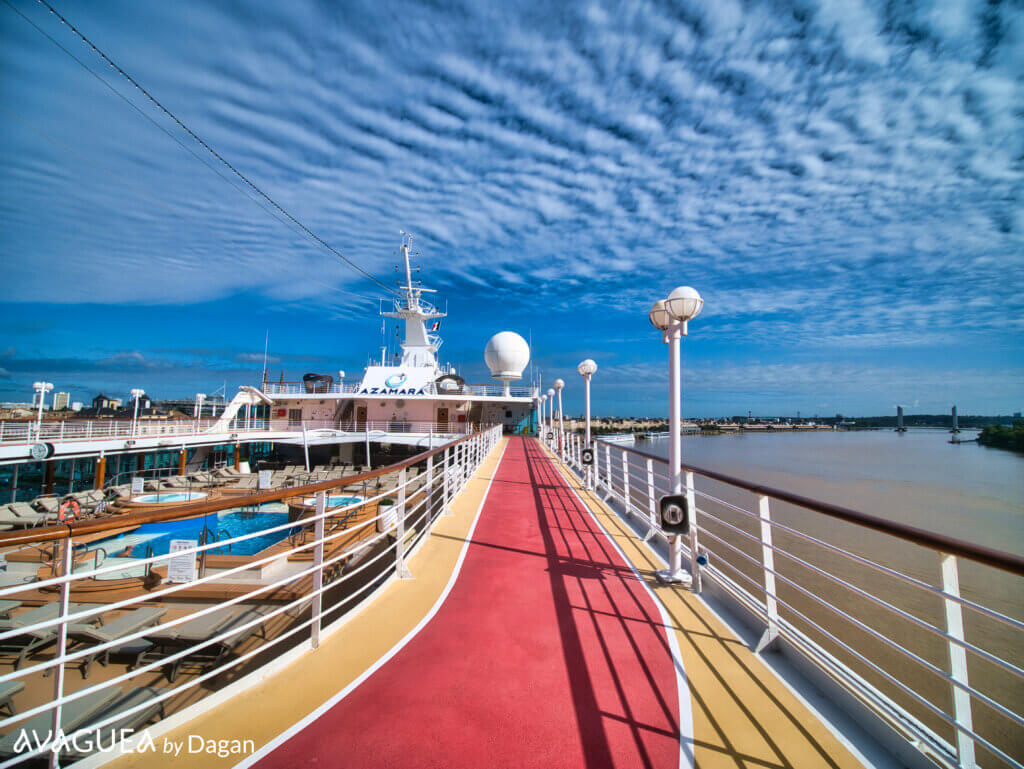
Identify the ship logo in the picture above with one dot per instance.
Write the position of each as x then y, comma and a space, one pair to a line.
395, 380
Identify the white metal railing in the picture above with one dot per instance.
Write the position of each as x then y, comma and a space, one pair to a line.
894, 642
313, 388
354, 388
306, 599
375, 427
99, 429
71, 430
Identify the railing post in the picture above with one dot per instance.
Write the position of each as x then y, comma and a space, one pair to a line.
691, 502
318, 564
768, 560
652, 509
607, 467
400, 569
446, 496
625, 484
62, 644
958, 660
429, 488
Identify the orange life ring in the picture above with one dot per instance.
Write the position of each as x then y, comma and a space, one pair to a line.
69, 511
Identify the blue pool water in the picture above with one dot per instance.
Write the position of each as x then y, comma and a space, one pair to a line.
169, 496
225, 524
334, 500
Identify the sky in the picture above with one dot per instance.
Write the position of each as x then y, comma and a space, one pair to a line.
841, 180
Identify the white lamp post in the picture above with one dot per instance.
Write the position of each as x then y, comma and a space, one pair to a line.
558, 385
551, 409
136, 394
42, 388
200, 397
587, 369
670, 316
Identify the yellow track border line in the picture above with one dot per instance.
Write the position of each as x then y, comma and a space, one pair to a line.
283, 702
743, 716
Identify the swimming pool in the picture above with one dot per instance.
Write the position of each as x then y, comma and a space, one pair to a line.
224, 525
163, 497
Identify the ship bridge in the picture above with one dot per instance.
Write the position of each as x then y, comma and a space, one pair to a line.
493, 602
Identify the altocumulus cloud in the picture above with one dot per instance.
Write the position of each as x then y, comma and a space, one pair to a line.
830, 174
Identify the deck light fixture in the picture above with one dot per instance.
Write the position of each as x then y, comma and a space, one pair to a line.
670, 316
659, 316
551, 409
136, 395
558, 384
42, 388
586, 369
543, 415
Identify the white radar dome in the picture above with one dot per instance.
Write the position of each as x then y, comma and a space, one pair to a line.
507, 354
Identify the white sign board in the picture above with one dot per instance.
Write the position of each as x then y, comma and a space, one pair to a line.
395, 380
182, 568
138, 484
388, 517
264, 479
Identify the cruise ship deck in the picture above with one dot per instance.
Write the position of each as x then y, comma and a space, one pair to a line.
532, 634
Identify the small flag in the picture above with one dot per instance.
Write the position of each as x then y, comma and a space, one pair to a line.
436, 326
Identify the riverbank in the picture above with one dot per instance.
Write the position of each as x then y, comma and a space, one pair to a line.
1001, 437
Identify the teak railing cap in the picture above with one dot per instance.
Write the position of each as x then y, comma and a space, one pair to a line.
958, 547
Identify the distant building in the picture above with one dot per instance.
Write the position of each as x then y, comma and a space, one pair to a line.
76, 406
101, 401
61, 401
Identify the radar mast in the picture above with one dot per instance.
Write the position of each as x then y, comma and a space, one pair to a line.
419, 348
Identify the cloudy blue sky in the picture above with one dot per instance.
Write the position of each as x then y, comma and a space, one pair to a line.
842, 181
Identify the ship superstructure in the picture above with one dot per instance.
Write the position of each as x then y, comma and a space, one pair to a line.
419, 390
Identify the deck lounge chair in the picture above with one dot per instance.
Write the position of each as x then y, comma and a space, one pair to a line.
47, 504
170, 640
74, 715
25, 643
9, 579
20, 514
122, 626
245, 482
92, 708
111, 733
7, 606
176, 482
7, 692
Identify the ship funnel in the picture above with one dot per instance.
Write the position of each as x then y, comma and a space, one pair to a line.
506, 355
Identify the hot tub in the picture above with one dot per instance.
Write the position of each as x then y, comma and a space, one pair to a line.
335, 500
168, 497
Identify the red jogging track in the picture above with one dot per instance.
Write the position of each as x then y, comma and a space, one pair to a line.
547, 653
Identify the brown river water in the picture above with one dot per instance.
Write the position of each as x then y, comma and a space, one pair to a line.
964, 491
